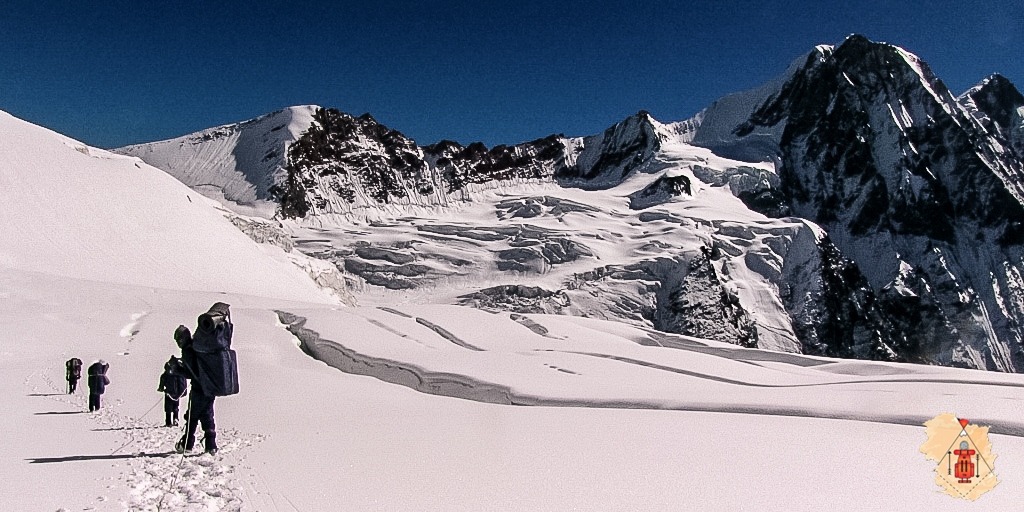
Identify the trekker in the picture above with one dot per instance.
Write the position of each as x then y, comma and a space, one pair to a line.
174, 386
211, 364
98, 382
74, 372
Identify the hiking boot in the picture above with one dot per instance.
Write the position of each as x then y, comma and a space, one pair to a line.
210, 442
184, 445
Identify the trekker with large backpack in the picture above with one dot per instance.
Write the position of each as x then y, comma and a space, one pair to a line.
98, 382
174, 386
213, 367
74, 372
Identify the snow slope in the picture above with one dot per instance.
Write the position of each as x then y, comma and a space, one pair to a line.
616, 417
235, 163
75, 211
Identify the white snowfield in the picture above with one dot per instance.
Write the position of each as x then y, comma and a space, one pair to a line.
100, 258
76, 211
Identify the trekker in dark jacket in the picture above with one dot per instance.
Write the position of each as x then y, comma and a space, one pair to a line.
200, 407
74, 372
174, 386
97, 383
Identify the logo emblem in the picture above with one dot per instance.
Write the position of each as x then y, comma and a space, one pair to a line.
963, 454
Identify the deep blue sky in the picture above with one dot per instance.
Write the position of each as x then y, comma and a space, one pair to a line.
116, 72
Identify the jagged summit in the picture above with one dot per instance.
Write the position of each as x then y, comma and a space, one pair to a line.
716, 126
873, 147
606, 159
999, 106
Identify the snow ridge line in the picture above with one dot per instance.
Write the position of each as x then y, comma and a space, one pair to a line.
690, 373
412, 376
338, 356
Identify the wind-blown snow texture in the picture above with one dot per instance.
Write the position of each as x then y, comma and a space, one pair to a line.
899, 210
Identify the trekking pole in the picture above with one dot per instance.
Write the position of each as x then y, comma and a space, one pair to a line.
182, 460
188, 412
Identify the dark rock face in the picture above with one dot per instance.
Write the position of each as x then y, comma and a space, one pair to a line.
681, 294
844, 318
877, 151
517, 299
661, 190
342, 162
701, 306
607, 159
845, 148
459, 166
340, 157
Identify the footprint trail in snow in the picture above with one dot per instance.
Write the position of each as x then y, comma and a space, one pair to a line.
157, 478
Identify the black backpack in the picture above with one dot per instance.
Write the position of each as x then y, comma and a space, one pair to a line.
74, 366
175, 386
216, 362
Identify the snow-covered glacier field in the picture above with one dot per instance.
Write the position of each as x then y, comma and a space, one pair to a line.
440, 407
606, 416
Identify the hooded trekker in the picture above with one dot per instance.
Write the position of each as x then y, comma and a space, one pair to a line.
98, 382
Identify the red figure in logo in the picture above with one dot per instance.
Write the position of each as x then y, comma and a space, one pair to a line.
964, 468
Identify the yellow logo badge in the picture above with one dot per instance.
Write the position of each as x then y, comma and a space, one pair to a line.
963, 454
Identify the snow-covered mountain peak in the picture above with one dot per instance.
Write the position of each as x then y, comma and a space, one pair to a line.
874, 147
720, 126
605, 159
998, 106
236, 163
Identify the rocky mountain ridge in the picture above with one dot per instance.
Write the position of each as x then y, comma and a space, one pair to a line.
875, 149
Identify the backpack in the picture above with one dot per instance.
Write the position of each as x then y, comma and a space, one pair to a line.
214, 330
218, 372
216, 362
98, 383
174, 385
74, 366
98, 368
